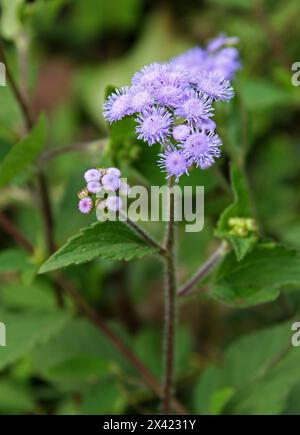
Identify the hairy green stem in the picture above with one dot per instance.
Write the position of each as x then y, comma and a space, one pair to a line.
204, 270
170, 309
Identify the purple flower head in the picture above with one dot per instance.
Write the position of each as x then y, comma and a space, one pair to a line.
148, 75
216, 43
219, 42
225, 62
200, 148
195, 107
114, 171
169, 92
85, 205
173, 162
111, 182
94, 186
113, 203
207, 124
141, 98
214, 86
192, 60
92, 175
154, 125
177, 72
117, 105
181, 132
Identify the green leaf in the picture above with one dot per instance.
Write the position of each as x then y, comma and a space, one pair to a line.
24, 153
78, 339
235, 223
38, 296
206, 395
258, 374
110, 240
26, 331
263, 367
258, 277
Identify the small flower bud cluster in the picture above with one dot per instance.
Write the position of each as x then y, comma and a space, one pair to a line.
103, 190
242, 227
173, 104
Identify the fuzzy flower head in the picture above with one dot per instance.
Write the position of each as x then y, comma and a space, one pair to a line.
114, 203
141, 98
94, 187
92, 175
169, 92
148, 75
173, 162
154, 125
174, 71
219, 42
195, 107
201, 148
214, 86
173, 105
85, 205
192, 60
181, 132
117, 105
225, 62
111, 182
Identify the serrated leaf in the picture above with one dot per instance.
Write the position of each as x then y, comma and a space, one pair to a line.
110, 240
240, 208
258, 277
24, 153
26, 331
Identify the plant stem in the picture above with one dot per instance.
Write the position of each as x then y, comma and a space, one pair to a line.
170, 308
204, 270
11, 230
84, 307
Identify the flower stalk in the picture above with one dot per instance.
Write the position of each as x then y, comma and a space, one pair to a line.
170, 308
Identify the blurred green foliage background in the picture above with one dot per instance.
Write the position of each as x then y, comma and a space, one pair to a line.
69, 52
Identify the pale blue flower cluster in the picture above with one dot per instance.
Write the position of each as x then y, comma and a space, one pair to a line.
104, 188
173, 104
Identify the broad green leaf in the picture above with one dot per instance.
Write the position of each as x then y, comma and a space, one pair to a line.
110, 240
258, 277
24, 153
208, 385
10, 19
25, 331
263, 367
37, 296
257, 375
235, 223
78, 339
